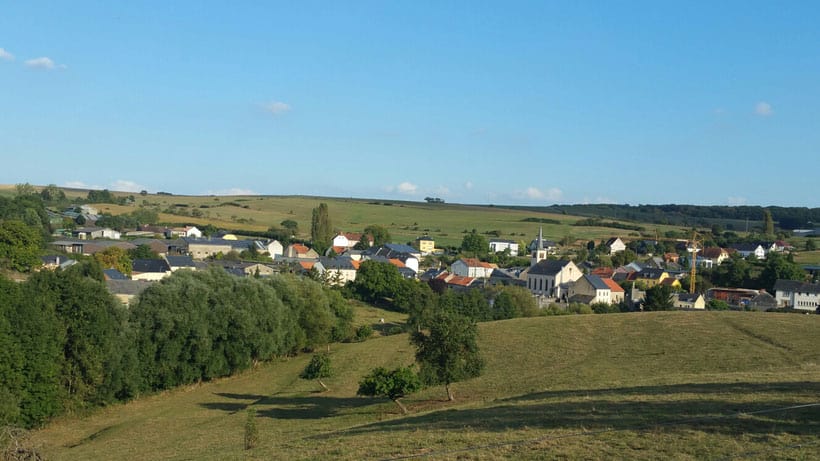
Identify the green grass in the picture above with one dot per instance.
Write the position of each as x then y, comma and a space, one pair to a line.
624, 386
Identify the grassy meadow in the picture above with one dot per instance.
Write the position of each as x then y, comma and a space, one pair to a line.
668, 385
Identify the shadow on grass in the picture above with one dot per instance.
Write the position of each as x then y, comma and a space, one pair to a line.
610, 410
298, 407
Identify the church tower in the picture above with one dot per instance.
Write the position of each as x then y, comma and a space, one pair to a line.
539, 253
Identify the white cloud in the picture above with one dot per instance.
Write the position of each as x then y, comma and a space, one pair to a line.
407, 188
44, 63
763, 109
81, 185
736, 201
233, 191
276, 107
5, 55
533, 193
123, 185
468, 185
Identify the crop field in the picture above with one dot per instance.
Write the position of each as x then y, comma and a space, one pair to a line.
675, 385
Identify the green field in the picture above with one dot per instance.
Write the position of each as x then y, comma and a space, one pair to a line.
676, 385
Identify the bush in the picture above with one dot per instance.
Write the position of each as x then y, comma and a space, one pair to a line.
363, 333
578, 308
604, 308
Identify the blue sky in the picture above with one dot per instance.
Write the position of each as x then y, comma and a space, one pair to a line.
475, 102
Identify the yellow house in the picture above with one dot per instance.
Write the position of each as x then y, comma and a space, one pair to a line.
651, 277
425, 245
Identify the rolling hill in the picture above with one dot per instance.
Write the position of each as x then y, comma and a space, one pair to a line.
668, 385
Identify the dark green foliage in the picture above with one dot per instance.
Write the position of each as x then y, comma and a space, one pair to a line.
778, 266
318, 368
19, 245
379, 234
717, 305
291, 225
128, 221
251, 431
392, 384
448, 352
321, 230
658, 298
364, 332
52, 193
376, 281
604, 308
810, 245
142, 252
474, 243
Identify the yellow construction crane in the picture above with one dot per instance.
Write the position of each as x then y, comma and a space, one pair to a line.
693, 246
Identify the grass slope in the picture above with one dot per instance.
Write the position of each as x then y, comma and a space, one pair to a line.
629, 386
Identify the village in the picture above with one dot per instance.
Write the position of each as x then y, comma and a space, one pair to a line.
553, 277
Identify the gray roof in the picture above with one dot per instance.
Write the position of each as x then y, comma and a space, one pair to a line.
596, 282
340, 263
796, 286
150, 265
548, 267
127, 287
745, 246
400, 248
114, 274
180, 261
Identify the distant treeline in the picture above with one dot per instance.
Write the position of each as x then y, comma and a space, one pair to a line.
594, 222
691, 215
542, 220
66, 343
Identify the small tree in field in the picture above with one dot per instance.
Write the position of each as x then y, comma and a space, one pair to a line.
251, 431
318, 368
393, 384
448, 353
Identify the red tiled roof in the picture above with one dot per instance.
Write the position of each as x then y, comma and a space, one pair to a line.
614, 287
461, 280
712, 252
473, 262
299, 248
603, 272
396, 262
307, 265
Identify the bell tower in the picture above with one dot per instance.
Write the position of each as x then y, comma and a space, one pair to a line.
539, 253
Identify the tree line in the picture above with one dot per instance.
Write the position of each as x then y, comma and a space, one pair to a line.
67, 344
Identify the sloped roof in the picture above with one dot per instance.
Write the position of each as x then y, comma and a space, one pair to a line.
548, 267
180, 261
796, 286
596, 282
127, 287
613, 286
603, 272
712, 252
114, 274
150, 265
474, 262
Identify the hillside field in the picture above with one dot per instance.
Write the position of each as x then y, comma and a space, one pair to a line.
668, 385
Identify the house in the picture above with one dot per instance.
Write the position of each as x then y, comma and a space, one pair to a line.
615, 244
712, 256
603, 272
54, 262
149, 269
545, 278
425, 245
246, 269
348, 240
272, 247
649, 277
797, 294
337, 271
408, 255
159, 247
671, 258
747, 249
89, 247
590, 289
506, 277
672, 282
781, 246
617, 293
472, 267
205, 248
180, 262
548, 245
499, 245
458, 282
689, 301
183, 232
300, 251
88, 233
126, 290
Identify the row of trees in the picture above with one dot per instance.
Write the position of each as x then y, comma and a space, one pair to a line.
83, 348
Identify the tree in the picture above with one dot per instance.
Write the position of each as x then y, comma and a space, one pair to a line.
379, 234
251, 431
376, 281
290, 225
768, 223
19, 245
810, 245
448, 352
474, 243
318, 368
321, 231
659, 298
25, 189
393, 384
52, 193
142, 251
779, 267
114, 258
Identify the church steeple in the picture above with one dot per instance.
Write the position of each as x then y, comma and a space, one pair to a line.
539, 253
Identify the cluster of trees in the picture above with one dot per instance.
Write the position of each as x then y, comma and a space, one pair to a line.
382, 284
84, 348
128, 221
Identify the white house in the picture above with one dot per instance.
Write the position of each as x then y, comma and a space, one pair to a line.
150, 269
590, 289
689, 301
498, 245
615, 244
337, 271
88, 233
797, 294
746, 249
544, 279
472, 267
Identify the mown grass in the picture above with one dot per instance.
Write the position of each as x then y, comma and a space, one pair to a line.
678, 385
